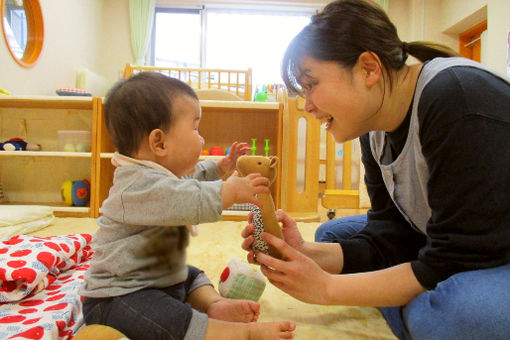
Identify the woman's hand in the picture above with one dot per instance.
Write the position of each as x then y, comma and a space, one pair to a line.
290, 232
296, 274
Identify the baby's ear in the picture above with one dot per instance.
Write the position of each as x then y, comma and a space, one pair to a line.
157, 142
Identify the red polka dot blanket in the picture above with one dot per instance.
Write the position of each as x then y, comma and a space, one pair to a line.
40, 278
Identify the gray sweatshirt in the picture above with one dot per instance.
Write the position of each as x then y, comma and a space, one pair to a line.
142, 237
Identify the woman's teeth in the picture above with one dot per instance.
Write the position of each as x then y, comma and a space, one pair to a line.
326, 121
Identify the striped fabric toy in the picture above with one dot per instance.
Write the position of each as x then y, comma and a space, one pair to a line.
68, 91
240, 280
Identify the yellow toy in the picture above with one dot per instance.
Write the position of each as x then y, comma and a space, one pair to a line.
265, 219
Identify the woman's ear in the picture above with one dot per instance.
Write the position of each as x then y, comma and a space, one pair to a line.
370, 66
157, 142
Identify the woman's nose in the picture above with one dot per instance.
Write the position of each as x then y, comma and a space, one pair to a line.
201, 139
309, 106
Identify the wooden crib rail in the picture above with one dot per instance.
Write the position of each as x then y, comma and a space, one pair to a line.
238, 82
300, 160
300, 192
347, 197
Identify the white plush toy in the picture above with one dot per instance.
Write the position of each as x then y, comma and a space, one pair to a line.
240, 280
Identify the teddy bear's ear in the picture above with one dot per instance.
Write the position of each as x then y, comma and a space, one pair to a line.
273, 161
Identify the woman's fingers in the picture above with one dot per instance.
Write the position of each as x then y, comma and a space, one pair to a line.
284, 248
282, 216
248, 230
276, 278
250, 257
247, 242
272, 264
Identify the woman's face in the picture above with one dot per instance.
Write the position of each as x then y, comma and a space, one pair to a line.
338, 97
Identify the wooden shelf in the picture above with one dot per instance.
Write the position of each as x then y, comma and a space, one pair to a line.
59, 209
46, 154
222, 123
106, 155
239, 105
46, 102
235, 215
110, 155
36, 177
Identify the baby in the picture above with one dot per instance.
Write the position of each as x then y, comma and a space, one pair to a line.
138, 281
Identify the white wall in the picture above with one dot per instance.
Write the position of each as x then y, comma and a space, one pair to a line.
115, 40
459, 15
71, 28
498, 23
444, 20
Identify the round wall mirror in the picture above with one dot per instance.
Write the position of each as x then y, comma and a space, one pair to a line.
23, 30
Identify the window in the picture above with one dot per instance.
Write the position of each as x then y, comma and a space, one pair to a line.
222, 38
15, 25
176, 38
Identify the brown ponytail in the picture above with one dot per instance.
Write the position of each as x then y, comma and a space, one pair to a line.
427, 50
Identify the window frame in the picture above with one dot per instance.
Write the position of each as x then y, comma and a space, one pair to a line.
202, 11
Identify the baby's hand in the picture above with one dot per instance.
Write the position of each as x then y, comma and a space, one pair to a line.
243, 189
228, 163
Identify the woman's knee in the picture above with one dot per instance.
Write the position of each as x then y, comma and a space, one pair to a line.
469, 305
340, 228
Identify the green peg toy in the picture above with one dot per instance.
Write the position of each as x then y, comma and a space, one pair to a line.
253, 147
266, 148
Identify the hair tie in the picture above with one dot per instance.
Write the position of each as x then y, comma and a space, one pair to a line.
405, 51
405, 47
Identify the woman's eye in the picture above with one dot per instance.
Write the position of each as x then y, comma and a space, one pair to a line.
308, 86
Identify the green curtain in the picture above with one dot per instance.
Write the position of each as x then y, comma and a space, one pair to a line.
383, 4
141, 14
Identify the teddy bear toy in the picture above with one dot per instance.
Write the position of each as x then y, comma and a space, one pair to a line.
263, 219
240, 280
18, 144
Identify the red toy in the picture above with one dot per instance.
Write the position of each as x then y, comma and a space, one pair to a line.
216, 151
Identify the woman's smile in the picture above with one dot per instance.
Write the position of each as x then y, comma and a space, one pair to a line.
326, 121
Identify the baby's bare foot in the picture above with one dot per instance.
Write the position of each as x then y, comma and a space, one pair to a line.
234, 310
272, 330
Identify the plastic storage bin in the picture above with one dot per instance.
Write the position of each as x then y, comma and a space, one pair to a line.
74, 140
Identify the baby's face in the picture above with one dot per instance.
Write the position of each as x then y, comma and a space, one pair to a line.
183, 139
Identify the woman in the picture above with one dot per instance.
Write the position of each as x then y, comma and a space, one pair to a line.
434, 249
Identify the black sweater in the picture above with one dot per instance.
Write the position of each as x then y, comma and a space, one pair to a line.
464, 117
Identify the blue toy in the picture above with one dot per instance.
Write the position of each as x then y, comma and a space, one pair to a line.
76, 193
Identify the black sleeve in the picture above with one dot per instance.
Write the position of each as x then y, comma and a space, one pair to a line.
388, 239
464, 118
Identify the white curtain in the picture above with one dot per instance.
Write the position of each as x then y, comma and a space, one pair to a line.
141, 14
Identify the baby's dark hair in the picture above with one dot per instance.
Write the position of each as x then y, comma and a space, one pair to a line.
346, 28
137, 105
